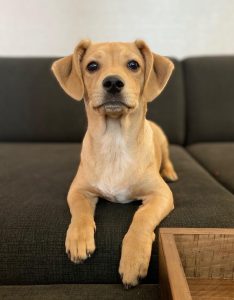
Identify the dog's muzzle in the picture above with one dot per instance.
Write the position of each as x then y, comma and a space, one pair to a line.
113, 100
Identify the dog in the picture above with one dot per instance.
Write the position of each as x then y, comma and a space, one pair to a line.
124, 156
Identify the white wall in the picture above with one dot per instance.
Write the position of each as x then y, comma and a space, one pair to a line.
171, 27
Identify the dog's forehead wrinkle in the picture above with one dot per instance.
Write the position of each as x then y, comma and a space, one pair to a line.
113, 50
96, 54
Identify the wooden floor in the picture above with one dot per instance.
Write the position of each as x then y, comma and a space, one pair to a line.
211, 289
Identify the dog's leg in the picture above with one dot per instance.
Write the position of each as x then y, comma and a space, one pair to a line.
80, 242
137, 243
167, 169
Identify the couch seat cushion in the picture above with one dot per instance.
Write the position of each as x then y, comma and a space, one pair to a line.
218, 159
34, 180
79, 292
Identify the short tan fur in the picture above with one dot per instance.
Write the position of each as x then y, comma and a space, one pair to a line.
124, 156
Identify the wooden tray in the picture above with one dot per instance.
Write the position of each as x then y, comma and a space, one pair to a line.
196, 264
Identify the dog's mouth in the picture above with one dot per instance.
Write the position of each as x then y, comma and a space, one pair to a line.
113, 106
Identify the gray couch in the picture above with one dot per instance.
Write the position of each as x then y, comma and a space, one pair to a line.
41, 130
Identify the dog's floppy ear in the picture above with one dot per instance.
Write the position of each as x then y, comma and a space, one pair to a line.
68, 72
158, 70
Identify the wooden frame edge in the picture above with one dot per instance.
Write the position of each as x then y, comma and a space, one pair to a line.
182, 230
175, 273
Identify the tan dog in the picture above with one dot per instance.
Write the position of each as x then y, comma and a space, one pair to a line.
124, 156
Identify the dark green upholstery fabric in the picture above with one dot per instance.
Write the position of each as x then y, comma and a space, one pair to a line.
35, 108
168, 110
218, 159
34, 180
209, 86
79, 292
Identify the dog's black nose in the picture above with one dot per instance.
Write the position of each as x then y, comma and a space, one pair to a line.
113, 84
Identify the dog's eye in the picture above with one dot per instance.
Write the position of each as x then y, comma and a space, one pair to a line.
92, 66
133, 65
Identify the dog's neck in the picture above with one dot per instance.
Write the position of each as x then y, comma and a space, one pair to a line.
129, 126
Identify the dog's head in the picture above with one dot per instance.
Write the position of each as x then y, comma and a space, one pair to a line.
113, 78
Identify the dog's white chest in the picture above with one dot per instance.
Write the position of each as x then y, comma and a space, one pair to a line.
114, 194
114, 164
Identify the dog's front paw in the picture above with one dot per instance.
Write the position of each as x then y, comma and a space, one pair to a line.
135, 257
80, 242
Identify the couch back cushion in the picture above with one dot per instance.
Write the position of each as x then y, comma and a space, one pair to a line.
209, 86
33, 107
